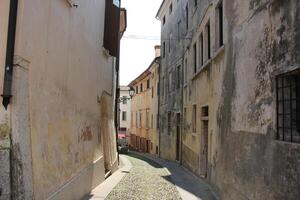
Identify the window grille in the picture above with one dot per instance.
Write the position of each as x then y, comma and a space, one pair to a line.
288, 106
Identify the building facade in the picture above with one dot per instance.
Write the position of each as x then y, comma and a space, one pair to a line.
144, 109
57, 133
240, 80
124, 115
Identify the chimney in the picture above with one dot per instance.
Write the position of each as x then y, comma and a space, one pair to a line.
157, 51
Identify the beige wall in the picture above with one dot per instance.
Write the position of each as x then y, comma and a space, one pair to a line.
154, 131
139, 104
66, 72
5, 123
143, 102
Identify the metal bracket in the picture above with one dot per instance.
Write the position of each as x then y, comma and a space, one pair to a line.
72, 3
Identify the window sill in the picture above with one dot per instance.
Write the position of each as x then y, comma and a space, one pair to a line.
282, 142
194, 10
219, 52
194, 134
204, 118
203, 67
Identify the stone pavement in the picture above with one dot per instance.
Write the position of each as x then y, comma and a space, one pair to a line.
149, 177
189, 186
102, 191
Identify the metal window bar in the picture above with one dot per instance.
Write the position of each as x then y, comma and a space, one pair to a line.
288, 106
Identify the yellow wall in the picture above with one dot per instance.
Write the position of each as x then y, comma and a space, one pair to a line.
143, 101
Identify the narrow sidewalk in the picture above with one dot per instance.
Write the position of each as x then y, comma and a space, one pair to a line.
103, 190
189, 186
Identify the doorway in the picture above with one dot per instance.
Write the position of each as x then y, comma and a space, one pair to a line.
204, 143
178, 136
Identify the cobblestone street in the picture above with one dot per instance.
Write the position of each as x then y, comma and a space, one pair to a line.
146, 180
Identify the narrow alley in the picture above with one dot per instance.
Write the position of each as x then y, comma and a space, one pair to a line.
150, 99
147, 177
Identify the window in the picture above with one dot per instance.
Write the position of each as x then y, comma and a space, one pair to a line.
219, 24
204, 111
148, 83
185, 70
164, 49
164, 20
208, 40
194, 120
170, 82
141, 87
152, 121
288, 106
187, 16
152, 92
136, 119
195, 3
195, 57
170, 38
124, 100
178, 76
178, 31
201, 50
170, 9
124, 116
147, 118
137, 89
140, 123
185, 118
169, 123
163, 87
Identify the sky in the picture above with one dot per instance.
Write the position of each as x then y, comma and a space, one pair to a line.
142, 34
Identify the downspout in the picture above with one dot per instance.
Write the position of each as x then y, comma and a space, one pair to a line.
159, 95
117, 88
10, 51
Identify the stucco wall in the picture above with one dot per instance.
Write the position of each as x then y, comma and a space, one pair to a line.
262, 42
67, 72
140, 103
4, 114
245, 161
124, 91
172, 33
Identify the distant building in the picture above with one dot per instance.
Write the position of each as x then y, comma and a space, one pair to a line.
234, 118
124, 112
58, 88
144, 110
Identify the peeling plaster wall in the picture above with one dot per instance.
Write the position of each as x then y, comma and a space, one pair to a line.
245, 161
171, 99
61, 55
262, 42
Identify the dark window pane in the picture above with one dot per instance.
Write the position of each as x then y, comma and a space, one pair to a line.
287, 107
286, 93
279, 95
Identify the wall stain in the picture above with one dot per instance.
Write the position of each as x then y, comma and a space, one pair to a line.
86, 134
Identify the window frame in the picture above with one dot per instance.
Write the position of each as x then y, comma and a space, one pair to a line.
292, 102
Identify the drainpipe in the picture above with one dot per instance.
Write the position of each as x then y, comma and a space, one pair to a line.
158, 109
10, 49
117, 87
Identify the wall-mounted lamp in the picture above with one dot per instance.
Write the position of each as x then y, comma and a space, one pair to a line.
72, 3
131, 92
